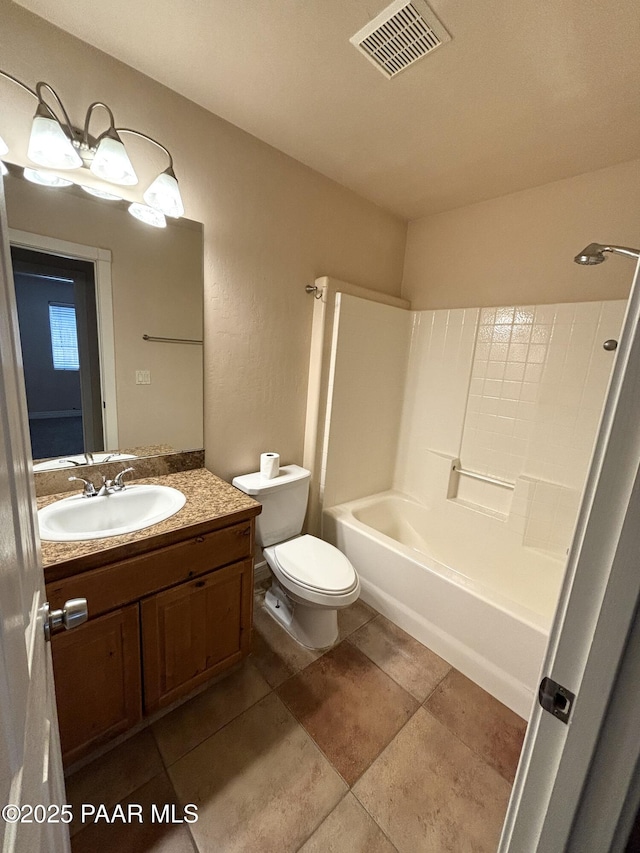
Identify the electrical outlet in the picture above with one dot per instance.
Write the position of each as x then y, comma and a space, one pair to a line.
143, 377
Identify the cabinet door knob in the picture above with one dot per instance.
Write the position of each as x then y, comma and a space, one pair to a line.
74, 613
199, 584
199, 538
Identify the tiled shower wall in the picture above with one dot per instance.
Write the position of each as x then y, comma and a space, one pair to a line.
435, 397
514, 393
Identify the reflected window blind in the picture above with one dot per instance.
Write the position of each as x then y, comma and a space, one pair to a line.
64, 336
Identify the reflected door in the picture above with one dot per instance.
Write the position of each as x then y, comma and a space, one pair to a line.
58, 330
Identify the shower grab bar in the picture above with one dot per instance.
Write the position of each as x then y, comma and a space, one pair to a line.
464, 473
171, 340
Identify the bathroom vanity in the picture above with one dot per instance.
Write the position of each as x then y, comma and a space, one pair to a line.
170, 607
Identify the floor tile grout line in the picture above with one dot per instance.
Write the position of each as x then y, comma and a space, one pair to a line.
446, 675
443, 720
91, 765
299, 725
346, 640
130, 795
322, 653
395, 681
317, 745
385, 747
378, 754
366, 622
437, 719
319, 750
244, 710
386, 835
178, 799
423, 703
326, 817
397, 734
469, 747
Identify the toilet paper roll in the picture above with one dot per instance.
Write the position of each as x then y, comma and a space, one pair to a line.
269, 465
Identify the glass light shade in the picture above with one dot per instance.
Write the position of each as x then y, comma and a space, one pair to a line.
4, 148
101, 193
50, 146
3, 169
111, 162
44, 179
148, 215
164, 195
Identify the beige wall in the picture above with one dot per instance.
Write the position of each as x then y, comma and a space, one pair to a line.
271, 225
519, 248
156, 281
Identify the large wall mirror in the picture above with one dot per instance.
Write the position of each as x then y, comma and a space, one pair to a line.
111, 324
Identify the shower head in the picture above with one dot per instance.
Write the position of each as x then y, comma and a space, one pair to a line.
594, 253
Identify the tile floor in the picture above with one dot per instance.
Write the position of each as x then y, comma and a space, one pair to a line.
375, 746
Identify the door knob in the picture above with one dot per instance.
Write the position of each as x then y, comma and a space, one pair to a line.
74, 613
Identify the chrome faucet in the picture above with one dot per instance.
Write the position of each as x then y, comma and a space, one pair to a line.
89, 490
108, 487
116, 485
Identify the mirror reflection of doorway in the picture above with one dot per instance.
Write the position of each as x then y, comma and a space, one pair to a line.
56, 304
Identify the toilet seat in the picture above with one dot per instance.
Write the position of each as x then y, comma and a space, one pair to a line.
315, 565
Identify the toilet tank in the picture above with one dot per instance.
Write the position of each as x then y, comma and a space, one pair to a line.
284, 502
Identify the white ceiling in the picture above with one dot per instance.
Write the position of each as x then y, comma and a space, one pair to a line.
525, 93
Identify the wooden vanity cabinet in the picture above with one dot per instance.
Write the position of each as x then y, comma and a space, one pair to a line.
160, 624
98, 681
193, 631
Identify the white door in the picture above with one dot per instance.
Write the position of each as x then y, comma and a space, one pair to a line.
553, 806
30, 764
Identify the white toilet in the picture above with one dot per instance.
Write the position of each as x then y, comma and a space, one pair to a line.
312, 579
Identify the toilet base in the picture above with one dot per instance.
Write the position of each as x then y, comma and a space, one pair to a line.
312, 627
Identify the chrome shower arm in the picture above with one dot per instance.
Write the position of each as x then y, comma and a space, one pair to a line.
594, 253
622, 250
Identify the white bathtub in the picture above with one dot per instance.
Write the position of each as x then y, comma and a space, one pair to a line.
457, 580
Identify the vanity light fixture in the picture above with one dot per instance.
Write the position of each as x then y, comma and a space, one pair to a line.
101, 193
49, 145
164, 194
148, 215
46, 179
56, 143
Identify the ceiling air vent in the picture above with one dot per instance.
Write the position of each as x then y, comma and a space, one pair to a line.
400, 35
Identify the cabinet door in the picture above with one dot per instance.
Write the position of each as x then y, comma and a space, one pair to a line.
193, 631
98, 681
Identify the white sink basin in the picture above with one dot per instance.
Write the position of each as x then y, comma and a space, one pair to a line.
134, 508
73, 461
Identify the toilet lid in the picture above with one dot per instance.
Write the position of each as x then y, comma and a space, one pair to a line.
315, 564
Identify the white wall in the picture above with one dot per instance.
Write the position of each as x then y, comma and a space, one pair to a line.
366, 388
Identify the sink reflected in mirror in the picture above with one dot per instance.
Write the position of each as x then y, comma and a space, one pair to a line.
133, 508
81, 459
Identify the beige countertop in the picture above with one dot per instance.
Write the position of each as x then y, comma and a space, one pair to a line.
211, 503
